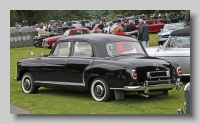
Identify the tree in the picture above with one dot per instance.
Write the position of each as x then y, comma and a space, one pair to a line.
28, 15
14, 17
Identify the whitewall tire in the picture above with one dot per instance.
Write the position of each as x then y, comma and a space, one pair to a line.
28, 84
100, 91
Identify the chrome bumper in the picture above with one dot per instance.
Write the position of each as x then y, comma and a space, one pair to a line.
146, 88
151, 87
15, 79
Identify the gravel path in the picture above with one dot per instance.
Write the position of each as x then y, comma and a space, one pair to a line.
16, 110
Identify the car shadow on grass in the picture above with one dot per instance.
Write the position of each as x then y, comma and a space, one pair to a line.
128, 96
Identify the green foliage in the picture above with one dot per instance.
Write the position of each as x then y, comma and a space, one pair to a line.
14, 17
46, 15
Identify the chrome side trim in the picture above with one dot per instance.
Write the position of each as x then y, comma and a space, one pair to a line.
61, 83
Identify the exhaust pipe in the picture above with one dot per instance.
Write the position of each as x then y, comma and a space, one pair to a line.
144, 95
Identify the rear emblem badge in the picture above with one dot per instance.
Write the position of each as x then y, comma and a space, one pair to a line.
155, 64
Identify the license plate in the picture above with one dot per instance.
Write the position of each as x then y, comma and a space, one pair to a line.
158, 74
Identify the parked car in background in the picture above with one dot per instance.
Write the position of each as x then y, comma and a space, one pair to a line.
100, 64
77, 25
87, 23
187, 104
41, 35
176, 49
167, 29
38, 40
154, 25
49, 42
166, 19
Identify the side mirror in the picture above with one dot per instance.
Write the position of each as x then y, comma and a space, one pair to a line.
32, 53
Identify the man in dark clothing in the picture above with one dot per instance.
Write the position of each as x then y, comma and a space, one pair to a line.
144, 34
101, 26
70, 23
83, 23
132, 28
123, 24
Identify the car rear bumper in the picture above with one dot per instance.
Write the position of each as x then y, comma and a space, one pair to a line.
150, 87
146, 87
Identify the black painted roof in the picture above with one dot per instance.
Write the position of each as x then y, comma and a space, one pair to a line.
181, 32
99, 37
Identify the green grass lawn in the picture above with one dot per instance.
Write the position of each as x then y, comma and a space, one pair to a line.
55, 101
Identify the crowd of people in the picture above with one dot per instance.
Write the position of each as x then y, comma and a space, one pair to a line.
142, 34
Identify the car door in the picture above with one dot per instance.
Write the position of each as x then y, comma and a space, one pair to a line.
54, 66
151, 26
80, 59
157, 25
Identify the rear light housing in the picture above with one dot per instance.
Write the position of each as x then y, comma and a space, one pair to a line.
179, 71
134, 74
172, 73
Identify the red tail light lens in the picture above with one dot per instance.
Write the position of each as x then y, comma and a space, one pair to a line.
134, 74
179, 71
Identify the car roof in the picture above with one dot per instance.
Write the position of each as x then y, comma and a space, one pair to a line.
181, 32
94, 38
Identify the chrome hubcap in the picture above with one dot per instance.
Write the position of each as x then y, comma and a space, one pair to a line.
27, 84
99, 90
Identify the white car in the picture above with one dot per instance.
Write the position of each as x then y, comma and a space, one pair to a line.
175, 49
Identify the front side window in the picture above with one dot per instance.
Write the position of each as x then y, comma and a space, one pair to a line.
124, 47
83, 49
178, 42
62, 49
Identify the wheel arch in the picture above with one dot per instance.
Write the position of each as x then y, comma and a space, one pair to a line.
22, 73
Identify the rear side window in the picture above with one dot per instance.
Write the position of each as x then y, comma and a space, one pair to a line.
83, 49
62, 49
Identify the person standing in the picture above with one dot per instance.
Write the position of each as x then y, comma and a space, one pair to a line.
70, 23
94, 23
144, 34
101, 26
131, 27
123, 23
83, 23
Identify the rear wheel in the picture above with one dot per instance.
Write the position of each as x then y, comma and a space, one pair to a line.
100, 91
28, 84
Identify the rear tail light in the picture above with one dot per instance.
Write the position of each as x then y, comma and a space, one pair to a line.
134, 74
179, 71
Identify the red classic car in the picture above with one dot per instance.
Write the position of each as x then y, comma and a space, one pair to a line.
50, 41
153, 25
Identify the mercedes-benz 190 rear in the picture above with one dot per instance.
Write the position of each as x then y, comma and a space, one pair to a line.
153, 75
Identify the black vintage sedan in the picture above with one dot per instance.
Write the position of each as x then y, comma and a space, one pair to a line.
107, 65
